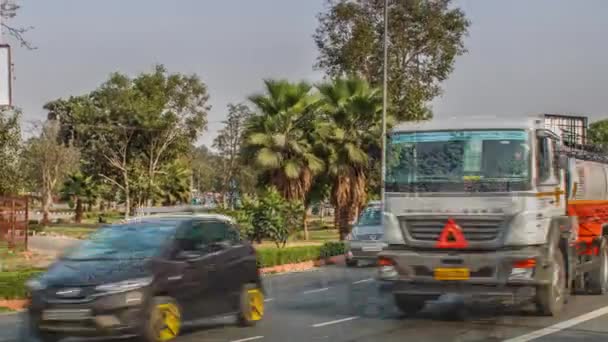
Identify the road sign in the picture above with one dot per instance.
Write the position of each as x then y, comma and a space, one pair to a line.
451, 236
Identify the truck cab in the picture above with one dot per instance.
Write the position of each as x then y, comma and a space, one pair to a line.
477, 207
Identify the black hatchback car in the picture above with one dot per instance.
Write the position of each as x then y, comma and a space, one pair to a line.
146, 278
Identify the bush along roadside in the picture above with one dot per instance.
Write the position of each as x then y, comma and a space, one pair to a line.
12, 284
270, 257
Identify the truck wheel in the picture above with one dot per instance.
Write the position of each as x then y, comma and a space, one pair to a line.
163, 321
598, 279
409, 305
550, 298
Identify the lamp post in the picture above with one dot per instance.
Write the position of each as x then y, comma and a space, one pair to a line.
384, 105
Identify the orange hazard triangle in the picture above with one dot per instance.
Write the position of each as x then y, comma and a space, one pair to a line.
451, 236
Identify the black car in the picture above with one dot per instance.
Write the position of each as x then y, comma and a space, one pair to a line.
146, 278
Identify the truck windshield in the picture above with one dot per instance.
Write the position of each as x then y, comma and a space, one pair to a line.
454, 161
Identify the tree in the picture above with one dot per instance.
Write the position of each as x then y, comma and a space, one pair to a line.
598, 133
205, 173
172, 113
278, 137
175, 181
132, 129
229, 141
353, 126
8, 10
51, 161
10, 150
80, 189
425, 38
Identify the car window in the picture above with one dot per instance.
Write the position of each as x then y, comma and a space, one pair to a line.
201, 235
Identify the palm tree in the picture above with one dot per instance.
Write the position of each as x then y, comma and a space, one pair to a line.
352, 130
79, 188
278, 139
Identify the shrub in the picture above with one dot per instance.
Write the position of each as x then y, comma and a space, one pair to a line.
270, 217
268, 257
330, 249
12, 284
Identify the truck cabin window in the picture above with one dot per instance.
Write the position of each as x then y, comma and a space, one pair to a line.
546, 161
456, 161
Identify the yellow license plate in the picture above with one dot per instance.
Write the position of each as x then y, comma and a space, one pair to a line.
452, 274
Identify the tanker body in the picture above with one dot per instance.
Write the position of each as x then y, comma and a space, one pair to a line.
493, 209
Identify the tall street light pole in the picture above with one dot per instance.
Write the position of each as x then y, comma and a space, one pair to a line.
384, 105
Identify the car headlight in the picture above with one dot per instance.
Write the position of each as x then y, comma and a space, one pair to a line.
127, 285
35, 285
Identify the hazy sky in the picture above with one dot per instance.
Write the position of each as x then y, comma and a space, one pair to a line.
524, 56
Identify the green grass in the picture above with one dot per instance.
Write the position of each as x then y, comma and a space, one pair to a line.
73, 231
12, 284
318, 235
5, 310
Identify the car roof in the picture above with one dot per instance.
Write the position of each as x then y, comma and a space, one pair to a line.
178, 217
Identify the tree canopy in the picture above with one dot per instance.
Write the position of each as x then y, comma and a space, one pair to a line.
425, 37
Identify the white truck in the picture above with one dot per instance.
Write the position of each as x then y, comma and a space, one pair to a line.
493, 208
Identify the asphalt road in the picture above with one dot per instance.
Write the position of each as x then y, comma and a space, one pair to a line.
341, 304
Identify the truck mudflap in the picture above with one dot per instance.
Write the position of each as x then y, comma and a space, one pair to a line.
509, 274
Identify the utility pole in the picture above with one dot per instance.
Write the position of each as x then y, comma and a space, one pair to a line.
384, 105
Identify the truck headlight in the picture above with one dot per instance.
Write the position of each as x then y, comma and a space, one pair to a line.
523, 269
127, 285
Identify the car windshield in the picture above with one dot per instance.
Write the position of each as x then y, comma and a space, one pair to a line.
481, 160
124, 241
370, 217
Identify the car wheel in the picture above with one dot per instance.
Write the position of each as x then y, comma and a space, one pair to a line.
352, 263
163, 321
251, 305
409, 305
598, 278
550, 299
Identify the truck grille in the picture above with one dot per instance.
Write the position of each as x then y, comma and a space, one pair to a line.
474, 228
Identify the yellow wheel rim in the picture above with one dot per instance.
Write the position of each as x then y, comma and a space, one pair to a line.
255, 304
168, 322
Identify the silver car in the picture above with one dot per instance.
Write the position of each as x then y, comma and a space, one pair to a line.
365, 240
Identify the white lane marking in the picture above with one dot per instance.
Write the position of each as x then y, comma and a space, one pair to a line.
363, 281
560, 326
249, 339
316, 290
335, 322
268, 300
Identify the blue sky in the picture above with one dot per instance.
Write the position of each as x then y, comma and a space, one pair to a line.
524, 56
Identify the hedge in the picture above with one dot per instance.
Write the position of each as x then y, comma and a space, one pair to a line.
12, 284
268, 257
